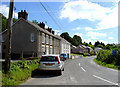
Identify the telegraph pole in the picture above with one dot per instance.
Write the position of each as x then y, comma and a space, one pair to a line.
8, 39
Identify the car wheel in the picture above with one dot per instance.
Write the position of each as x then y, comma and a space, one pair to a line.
59, 72
63, 69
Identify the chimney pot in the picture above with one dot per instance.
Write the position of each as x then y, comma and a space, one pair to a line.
23, 14
42, 25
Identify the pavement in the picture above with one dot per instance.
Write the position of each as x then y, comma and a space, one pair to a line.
80, 71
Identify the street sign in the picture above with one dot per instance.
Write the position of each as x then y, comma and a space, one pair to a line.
114, 52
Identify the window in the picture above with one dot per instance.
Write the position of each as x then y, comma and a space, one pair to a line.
54, 42
32, 37
50, 40
43, 50
47, 39
43, 38
50, 50
49, 58
3, 40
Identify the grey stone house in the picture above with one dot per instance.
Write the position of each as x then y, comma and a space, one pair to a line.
31, 39
81, 49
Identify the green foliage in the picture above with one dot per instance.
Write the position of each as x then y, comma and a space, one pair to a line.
107, 65
98, 44
34, 21
19, 72
76, 40
92, 53
76, 54
86, 44
106, 56
4, 21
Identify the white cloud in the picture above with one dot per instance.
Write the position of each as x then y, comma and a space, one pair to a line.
107, 16
89, 28
5, 11
103, 41
57, 32
77, 28
95, 35
111, 38
79, 34
88, 40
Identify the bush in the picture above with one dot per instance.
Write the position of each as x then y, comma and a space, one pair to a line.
106, 56
86, 54
19, 72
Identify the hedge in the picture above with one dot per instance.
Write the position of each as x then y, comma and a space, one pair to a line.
106, 57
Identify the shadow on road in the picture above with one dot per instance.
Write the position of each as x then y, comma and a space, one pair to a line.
43, 74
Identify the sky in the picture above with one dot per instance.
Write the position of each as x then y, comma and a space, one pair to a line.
91, 21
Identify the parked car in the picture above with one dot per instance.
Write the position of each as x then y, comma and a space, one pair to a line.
51, 62
63, 56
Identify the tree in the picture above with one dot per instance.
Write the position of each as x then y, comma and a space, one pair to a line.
96, 43
86, 44
3, 21
78, 39
90, 43
34, 21
66, 36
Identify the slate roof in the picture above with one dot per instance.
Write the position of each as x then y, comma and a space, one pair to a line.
36, 27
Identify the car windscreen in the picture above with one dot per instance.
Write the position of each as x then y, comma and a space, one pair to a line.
63, 55
49, 58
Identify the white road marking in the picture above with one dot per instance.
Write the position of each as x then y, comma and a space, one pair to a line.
105, 80
79, 64
83, 69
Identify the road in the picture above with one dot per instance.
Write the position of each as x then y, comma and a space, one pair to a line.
80, 71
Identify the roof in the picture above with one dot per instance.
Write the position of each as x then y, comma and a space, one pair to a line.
36, 26
74, 46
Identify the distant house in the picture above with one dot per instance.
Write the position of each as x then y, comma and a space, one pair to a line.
97, 49
31, 39
81, 49
65, 46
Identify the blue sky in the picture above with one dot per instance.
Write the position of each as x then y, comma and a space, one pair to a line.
92, 21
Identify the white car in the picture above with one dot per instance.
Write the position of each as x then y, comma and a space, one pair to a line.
51, 62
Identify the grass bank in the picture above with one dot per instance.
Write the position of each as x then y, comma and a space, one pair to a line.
81, 54
20, 71
117, 67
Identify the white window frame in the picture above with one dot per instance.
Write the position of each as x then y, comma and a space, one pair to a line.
32, 37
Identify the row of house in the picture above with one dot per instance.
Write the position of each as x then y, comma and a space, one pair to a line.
84, 49
35, 40
81, 49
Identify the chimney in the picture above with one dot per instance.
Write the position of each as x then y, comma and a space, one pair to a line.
53, 32
23, 14
49, 29
42, 25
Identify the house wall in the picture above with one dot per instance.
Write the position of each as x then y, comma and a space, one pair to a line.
65, 47
22, 46
21, 39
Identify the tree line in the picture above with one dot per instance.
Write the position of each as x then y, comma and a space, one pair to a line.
76, 40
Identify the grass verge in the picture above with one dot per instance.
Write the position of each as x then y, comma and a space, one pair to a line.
20, 71
107, 65
76, 54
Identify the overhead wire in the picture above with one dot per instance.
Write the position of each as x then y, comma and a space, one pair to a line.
50, 15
